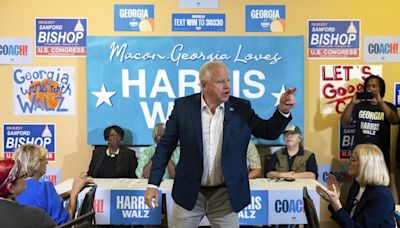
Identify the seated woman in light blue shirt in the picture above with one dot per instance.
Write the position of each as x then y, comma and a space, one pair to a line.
144, 162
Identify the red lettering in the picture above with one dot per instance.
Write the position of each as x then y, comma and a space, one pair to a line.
52, 179
328, 91
340, 105
347, 72
8, 155
336, 73
366, 70
98, 205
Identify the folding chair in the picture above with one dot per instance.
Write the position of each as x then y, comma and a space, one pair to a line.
309, 209
84, 221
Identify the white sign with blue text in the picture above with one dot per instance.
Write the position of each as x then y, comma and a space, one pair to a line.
44, 90
286, 206
15, 50
133, 81
381, 49
128, 207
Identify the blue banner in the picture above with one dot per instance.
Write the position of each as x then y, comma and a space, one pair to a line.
198, 22
16, 135
133, 81
265, 18
256, 213
134, 18
128, 207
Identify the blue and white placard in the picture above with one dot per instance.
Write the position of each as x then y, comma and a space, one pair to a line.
16, 135
334, 39
286, 206
134, 18
265, 18
397, 94
198, 22
256, 213
128, 207
61, 37
15, 50
381, 49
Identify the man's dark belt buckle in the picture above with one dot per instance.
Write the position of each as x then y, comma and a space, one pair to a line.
211, 188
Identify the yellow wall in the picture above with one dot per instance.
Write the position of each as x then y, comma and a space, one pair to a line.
73, 154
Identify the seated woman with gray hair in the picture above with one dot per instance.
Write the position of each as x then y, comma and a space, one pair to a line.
144, 162
369, 202
42, 194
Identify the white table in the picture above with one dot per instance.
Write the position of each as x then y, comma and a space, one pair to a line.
272, 202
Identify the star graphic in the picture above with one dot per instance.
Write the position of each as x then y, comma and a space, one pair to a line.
278, 95
103, 96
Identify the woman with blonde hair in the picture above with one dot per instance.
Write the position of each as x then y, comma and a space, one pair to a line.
12, 214
42, 194
370, 202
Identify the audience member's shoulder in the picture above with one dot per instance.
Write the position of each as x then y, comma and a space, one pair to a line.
41, 216
99, 148
308, 151
126, 149
391, 105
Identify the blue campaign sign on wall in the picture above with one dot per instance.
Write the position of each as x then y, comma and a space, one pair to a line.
265, 18
133, 81
134, 18
198, 22
334, 39
256, 213
397, 94
346, 140
16, 135
128, 207
61, 36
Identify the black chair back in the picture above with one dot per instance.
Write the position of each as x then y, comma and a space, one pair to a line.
309, 209
87, 204
84, 221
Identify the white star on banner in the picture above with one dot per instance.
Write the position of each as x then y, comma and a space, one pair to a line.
278, 95
103, 96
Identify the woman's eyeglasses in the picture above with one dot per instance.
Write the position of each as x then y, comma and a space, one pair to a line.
22, 175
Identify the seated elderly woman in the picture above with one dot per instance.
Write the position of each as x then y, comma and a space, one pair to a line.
113, 160
12, 214
292, 161
42, 194
144, 162
370, 202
